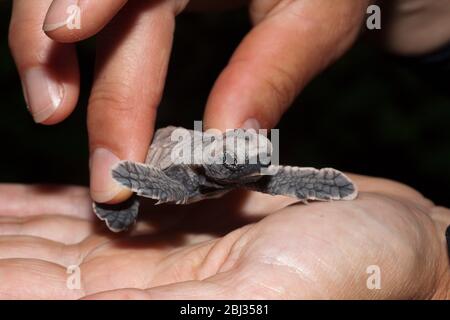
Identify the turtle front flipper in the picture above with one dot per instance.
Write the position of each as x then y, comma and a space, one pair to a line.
306, 183
118, 217
150, 182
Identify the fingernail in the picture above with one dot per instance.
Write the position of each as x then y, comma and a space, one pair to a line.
43, 95
103, 187
251, 124
59, 14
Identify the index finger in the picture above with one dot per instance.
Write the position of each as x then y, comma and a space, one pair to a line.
132, 60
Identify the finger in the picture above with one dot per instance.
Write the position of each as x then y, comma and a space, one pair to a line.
63, 240
48, 70
286, 48
66, 230
131, 68
24, 201
75, 20
24, 247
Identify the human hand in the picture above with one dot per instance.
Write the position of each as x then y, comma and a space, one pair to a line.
290, 43
244, 245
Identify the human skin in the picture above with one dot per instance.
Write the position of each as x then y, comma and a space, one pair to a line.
244, 245
290, 43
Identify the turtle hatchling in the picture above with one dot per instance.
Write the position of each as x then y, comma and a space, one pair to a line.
184, 166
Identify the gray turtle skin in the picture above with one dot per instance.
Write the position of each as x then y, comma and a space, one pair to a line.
168, 181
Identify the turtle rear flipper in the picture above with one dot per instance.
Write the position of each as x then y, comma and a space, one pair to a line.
307, 183
118, 217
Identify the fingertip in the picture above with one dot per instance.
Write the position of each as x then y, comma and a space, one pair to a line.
104, 189
48, 70
112, 197
65, 36
63, 21
51, 90
69, 97
251, 124
75, 20
241, 98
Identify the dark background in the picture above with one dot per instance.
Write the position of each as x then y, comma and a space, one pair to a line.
367, 114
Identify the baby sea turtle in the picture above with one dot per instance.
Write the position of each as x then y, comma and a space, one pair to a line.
185, 166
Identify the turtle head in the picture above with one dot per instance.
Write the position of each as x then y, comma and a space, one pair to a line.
231, 170
238, 158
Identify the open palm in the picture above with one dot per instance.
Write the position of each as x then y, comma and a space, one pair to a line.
244, 245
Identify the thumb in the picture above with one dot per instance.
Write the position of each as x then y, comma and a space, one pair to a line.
289, 45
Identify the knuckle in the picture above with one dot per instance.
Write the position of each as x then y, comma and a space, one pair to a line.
26, 45
21, 32
282, 86
113, 96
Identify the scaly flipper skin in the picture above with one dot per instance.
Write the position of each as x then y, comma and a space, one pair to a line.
154, 183
307, 183
118, 217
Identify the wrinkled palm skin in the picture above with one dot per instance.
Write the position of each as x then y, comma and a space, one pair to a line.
244, 245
